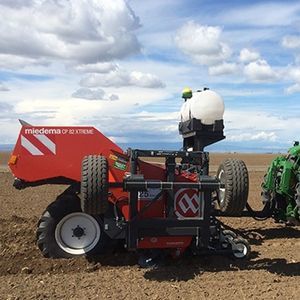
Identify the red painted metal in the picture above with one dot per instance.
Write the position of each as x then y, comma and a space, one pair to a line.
49, 152
45, 152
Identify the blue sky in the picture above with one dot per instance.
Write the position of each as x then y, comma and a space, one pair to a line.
121, 66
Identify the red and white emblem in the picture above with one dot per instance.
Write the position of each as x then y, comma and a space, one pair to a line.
38, 144
188, 204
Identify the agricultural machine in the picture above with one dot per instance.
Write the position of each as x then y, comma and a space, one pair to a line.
168, 205
281, 187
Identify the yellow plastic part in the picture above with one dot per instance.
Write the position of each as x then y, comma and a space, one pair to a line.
187, 93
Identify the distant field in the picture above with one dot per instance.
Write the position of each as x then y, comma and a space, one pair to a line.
4, 157
259, 162
254, 161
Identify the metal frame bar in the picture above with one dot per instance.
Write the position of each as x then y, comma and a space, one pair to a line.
169, 226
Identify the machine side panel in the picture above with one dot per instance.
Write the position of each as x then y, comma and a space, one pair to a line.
44, 152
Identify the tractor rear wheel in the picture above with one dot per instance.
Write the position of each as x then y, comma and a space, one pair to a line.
94, 185
232, 198
64, 231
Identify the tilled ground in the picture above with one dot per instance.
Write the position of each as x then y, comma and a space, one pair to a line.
272, 271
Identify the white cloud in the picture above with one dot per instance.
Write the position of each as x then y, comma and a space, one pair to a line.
120, 77
89, 94
291, 42
16, 3
15, 62
259, 125
5, 108
146, 80
93, 94
3, 88
256, 136
113, 97
262, 14
104, 67
79, 31
52, 96
293, 73
295, 88
223, 69
247, 55
260, 71
202, 43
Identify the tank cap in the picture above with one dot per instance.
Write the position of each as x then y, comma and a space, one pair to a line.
187, 93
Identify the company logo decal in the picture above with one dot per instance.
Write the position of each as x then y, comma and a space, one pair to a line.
189, 204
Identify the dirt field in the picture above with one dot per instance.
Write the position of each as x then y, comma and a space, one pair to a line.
272, 272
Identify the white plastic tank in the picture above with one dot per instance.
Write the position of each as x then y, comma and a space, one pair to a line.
206, 105
185, 111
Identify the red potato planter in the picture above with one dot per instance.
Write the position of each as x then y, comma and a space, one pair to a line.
116, 195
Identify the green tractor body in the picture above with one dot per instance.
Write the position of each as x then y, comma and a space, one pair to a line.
281, 186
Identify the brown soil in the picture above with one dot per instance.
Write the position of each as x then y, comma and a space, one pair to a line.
272, 271
4, 157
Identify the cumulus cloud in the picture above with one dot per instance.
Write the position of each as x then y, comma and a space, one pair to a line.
78, 31
89, 94
260, 71
202, 43
247, 55
94, 94
223, 69
120, 77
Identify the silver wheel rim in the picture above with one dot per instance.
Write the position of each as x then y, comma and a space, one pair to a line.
77, 233
240, 250
221, 192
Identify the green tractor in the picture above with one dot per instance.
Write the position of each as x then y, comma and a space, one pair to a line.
281, 187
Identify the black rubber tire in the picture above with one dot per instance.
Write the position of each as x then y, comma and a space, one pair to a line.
45, 236
94, 185
234, 174
244, 245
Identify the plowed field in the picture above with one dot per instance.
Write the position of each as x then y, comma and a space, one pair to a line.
272, 271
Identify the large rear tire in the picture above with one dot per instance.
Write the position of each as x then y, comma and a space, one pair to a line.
64, 231
232, 198
94, 185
